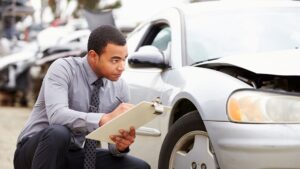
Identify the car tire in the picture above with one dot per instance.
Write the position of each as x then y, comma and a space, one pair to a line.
178, 149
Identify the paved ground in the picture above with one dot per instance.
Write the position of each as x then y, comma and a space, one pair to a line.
11, 122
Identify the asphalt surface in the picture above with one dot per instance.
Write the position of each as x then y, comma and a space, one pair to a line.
11, 122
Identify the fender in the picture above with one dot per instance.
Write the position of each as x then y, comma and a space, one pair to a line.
200, 95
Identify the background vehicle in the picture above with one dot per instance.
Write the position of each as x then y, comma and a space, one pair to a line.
21, 73
230, 73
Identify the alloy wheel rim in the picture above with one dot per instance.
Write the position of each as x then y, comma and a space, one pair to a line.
193, 151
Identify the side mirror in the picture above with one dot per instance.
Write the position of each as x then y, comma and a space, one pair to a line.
147, 56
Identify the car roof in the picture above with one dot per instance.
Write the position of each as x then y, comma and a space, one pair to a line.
236, 4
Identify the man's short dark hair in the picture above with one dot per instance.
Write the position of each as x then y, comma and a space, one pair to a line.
103, 35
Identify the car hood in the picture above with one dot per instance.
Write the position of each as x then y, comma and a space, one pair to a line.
28, 52
15, 58
282, 63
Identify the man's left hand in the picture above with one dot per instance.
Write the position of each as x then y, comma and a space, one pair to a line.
124, 140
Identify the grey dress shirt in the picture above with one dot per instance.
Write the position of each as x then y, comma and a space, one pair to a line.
65, 96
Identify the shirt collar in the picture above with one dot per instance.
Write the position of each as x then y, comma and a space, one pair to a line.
91, 75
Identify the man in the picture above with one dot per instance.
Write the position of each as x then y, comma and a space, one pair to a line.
64, 112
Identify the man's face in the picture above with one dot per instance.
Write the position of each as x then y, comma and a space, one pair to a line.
111, 63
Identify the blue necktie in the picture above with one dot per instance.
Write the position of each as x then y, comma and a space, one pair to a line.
90, 145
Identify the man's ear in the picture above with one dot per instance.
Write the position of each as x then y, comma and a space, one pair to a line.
92, 55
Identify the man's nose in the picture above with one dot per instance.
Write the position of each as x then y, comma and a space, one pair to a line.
121, 66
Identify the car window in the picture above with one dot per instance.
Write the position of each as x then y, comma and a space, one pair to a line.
135, 37
162, 39
159, 36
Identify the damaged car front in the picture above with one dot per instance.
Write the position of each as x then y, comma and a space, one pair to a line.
264, 119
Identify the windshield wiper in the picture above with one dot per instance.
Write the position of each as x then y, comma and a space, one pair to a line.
196, 63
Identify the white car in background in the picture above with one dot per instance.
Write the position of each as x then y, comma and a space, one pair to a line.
231, 74
20, 70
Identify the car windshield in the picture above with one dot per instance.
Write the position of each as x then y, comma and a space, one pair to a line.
219, 34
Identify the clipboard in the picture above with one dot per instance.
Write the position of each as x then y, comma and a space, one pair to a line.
136, 117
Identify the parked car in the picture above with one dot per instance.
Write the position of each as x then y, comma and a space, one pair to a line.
230, 74
40, 67
14, 77
22, 72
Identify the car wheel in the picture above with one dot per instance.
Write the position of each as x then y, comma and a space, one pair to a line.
187, 145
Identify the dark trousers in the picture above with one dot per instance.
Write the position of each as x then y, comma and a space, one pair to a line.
49, 149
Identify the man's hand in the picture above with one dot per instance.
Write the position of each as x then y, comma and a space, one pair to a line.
124, 140
123, 107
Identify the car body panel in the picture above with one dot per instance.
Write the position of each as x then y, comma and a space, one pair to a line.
181, 84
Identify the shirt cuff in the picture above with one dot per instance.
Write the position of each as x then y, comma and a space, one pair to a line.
92, 121
115, 152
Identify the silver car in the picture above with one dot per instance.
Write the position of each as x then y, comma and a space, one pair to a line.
229, 73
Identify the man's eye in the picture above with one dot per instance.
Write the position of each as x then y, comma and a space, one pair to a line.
114, 61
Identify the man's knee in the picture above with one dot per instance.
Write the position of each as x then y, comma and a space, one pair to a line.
58, 135
145, 166
140, 164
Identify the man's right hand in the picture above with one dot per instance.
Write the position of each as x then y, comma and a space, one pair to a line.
123, 107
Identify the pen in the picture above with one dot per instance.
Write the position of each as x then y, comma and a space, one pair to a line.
119, 99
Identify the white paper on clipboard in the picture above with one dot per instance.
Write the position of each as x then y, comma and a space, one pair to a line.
136, 117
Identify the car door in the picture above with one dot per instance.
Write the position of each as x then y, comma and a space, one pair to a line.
146, 83
149, 83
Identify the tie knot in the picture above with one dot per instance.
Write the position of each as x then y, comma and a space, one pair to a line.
98, 83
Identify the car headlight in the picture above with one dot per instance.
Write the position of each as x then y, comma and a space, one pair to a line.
252, 106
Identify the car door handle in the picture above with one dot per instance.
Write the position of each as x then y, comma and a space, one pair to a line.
147, 131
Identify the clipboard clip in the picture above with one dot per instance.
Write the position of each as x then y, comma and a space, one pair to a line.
159, 108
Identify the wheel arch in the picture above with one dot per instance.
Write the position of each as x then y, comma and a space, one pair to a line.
182, 104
